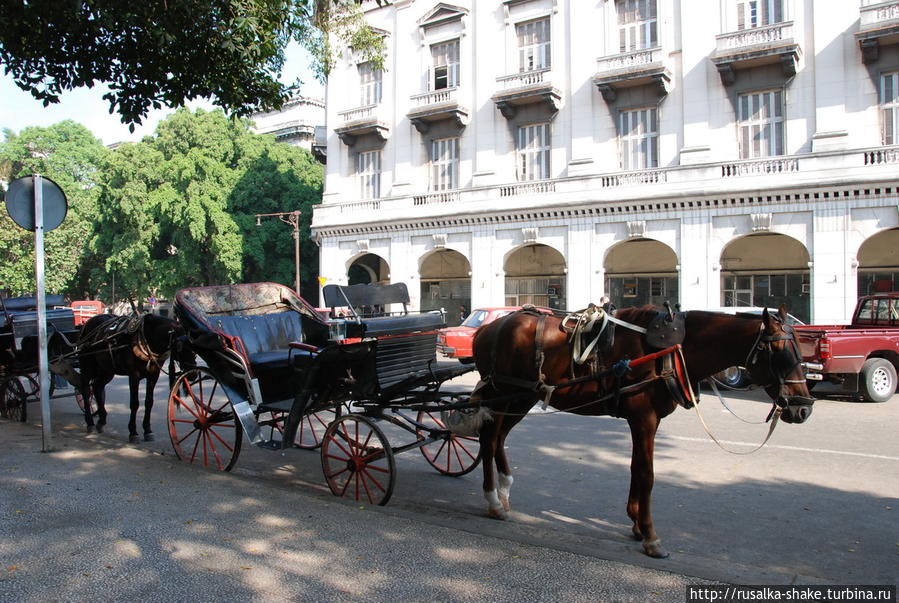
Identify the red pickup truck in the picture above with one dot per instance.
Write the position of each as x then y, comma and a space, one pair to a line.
864, 355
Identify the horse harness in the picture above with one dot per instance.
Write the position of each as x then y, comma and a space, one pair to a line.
127, 326
588, 341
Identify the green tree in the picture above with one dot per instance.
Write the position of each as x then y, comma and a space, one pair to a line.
278, 178
72, 157
166, 53
178, 208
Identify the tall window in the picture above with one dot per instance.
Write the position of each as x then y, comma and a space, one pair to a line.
639, 138
368, 171
444, 164
889, 106
445, 65
369, 84
533, 45
758, 13
761, 122
533, 152
637, 24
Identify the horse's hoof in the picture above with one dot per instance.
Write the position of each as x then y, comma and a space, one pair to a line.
133, 438
497, 513
149, 437
90, 429
636, 534
506, 505
99, 429
655, 549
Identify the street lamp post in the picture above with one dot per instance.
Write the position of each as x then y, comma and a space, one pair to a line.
292, 218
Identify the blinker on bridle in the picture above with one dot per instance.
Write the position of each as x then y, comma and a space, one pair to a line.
763, 343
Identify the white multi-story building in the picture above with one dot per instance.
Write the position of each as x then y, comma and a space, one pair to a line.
709, 152
300, 122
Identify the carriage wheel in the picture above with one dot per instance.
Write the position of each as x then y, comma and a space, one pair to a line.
453, 454
14, 398
357, 461
312, 427
202, 425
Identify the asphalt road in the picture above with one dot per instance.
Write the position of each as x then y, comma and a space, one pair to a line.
818, 504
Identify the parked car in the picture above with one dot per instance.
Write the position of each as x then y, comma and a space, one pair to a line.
736, 376
862, 356
455, 342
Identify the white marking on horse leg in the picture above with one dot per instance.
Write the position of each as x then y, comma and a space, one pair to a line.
494, 506
505, 485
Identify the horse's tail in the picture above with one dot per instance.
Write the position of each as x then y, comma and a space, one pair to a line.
171, 371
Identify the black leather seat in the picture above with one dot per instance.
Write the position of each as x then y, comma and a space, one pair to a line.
266, 337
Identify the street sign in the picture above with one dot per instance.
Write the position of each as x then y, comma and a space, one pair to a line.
38, 204
20, 203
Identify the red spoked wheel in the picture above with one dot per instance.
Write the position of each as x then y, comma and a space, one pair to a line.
311, 430
451, 454
202, 425
357, 461
13, 400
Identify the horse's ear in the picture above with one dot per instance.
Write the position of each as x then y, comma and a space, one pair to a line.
782, 312
766, 318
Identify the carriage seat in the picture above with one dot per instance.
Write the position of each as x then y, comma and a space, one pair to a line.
266, 337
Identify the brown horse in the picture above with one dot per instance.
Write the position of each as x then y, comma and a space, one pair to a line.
522, 356
133, 346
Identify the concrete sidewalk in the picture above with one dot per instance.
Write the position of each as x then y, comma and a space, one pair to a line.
99, 520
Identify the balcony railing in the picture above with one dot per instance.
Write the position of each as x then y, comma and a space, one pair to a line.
629, 60
526, 78
436, 198
366, 112
882, 156
528, 188
447, 95
634, 178
665, 188
874, 13
769, 34
757, 168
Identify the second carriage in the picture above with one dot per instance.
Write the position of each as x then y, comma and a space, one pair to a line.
19, 350
281, 375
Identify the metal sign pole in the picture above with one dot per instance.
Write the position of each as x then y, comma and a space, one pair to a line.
43, 371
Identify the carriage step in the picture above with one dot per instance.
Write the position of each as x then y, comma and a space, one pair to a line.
270, 444
279, 406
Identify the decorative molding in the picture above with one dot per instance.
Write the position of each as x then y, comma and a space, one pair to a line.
636, 229
439, 240
761, 222
362, 245
605, 212
529, 235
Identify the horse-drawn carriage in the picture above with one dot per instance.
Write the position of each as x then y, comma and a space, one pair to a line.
19, 349
280, 375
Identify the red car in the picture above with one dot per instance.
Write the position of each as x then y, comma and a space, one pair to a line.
455, 342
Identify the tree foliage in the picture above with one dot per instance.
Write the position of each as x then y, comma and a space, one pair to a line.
154, 54
177, 209
71, 156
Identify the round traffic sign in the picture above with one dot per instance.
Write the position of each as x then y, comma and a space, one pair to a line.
20, 203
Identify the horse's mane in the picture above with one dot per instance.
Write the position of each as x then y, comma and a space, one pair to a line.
639, 315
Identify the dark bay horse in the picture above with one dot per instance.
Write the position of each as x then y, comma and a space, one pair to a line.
135, 346
522, 356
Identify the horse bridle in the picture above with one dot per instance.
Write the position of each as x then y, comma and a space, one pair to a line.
763, 343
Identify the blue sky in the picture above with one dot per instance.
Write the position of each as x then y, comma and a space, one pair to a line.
18, 110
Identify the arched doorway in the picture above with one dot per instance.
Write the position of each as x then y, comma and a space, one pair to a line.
368, 268
767, 270
641, 271
878, 263
446, 283
535, 274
